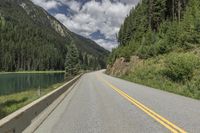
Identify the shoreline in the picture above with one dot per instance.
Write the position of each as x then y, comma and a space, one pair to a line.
27, 72
12, 102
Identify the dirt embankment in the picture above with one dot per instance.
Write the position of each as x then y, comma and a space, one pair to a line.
121, 66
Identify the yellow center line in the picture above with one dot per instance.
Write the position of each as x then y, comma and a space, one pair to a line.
169, 125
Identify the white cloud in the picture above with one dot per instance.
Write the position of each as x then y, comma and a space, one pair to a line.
75, 6
109, 45
47, 4
93, 16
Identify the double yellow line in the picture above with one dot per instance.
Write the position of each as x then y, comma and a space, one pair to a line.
172, 127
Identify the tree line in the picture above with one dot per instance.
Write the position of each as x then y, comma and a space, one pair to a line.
158, 26
30, 40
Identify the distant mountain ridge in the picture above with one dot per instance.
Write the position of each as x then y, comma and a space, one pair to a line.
31, 39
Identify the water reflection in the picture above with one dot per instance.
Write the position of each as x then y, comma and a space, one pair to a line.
12, 83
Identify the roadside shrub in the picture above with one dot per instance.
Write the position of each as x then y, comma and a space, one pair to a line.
144, 52
192, 88
180, 66
160, 47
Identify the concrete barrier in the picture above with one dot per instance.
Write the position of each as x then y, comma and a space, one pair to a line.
22, 118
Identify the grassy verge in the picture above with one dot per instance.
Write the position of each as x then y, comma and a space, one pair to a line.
12, 102
32, 72
178, 73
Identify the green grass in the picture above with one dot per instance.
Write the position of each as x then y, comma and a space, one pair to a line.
32, 72
13, 102
151, 72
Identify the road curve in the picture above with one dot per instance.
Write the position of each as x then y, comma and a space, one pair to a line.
103, 104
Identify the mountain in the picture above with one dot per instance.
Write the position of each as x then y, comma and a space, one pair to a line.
159, 46
31, 39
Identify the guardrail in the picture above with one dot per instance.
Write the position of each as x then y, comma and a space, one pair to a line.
22, 118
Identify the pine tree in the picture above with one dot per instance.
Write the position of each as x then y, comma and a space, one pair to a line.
72, 64
159, 26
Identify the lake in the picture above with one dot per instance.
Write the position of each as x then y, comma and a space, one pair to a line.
17, 82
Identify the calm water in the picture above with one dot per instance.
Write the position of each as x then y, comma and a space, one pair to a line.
12, 83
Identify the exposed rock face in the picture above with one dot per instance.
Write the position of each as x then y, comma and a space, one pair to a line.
121, 67
57, 27
37, 13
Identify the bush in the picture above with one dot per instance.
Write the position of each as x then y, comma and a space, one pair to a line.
145, 52
192, 88
180, 66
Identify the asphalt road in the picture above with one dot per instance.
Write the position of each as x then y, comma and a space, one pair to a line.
104, 104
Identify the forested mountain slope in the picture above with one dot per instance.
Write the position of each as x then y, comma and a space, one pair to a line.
159, 41
31, 39
159, 26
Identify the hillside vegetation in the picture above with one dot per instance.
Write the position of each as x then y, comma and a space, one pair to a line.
31, 39
165, 36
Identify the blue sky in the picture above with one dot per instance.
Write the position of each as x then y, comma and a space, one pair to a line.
99, 20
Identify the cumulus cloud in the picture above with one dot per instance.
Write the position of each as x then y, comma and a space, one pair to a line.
47, 4
109, 45
105, 17
74, 5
